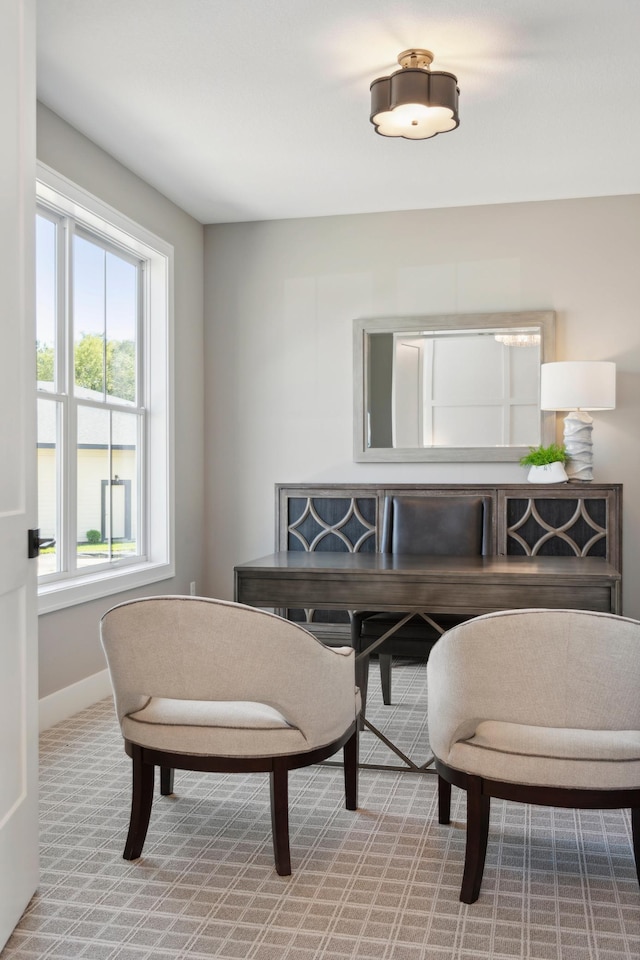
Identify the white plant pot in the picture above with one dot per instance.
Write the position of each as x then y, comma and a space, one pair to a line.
548, 473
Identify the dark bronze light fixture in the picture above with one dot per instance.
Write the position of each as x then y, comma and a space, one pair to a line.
413, 102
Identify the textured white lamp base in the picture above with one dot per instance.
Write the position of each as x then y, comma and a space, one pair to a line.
578, 426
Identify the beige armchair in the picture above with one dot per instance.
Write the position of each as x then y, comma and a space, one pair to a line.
537, 706
208, 685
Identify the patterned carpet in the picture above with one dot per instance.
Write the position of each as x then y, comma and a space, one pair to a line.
378, 884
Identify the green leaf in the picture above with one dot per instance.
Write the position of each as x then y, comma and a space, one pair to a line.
540, 456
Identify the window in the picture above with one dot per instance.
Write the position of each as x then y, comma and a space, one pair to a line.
103, 328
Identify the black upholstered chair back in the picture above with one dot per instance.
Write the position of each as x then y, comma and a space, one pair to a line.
436, 526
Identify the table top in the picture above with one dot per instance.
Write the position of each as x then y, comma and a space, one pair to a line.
301, 563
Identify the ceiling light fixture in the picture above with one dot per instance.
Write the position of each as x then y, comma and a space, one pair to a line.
413, 102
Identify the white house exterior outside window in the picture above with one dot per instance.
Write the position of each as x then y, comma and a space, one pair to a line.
104, 328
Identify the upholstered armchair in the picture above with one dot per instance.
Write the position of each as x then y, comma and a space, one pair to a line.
430, 526
208, 685
537, 706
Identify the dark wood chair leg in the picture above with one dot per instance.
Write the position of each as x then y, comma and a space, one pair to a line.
280, 819
141, 800
444, 800
166, 781
478, 806
385, 676
350, 760
635, 834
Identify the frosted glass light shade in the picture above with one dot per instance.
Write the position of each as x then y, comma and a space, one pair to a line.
578, 385
414, 102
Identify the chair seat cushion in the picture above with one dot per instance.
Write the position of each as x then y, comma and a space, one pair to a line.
211, 713
550, 756
222, 728
568, 744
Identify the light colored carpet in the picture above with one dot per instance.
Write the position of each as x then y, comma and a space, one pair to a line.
381, 883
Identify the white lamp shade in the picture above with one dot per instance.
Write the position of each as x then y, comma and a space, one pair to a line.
578, 385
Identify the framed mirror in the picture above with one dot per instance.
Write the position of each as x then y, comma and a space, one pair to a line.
451, 388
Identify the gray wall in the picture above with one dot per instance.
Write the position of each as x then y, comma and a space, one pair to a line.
280, 298
69, 641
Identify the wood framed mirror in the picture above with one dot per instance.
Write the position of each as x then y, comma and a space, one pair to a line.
451, 388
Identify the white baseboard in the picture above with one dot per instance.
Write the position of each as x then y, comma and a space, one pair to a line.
64, 703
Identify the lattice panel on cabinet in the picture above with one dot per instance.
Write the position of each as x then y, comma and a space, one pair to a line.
343, 524
557, 527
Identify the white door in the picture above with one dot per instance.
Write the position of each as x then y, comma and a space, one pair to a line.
18, 617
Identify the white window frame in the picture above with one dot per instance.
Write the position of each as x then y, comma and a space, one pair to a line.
64, 198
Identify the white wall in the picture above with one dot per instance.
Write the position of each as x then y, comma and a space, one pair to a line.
69, 641
280, 298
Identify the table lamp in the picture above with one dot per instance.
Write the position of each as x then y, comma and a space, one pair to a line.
578, 386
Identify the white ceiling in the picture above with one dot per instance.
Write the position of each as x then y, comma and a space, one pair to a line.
259, 109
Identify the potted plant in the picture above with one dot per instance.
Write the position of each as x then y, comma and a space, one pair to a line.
546, 464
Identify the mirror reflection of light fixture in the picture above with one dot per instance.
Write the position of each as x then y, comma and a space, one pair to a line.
518, 339
578, 386
413, 102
